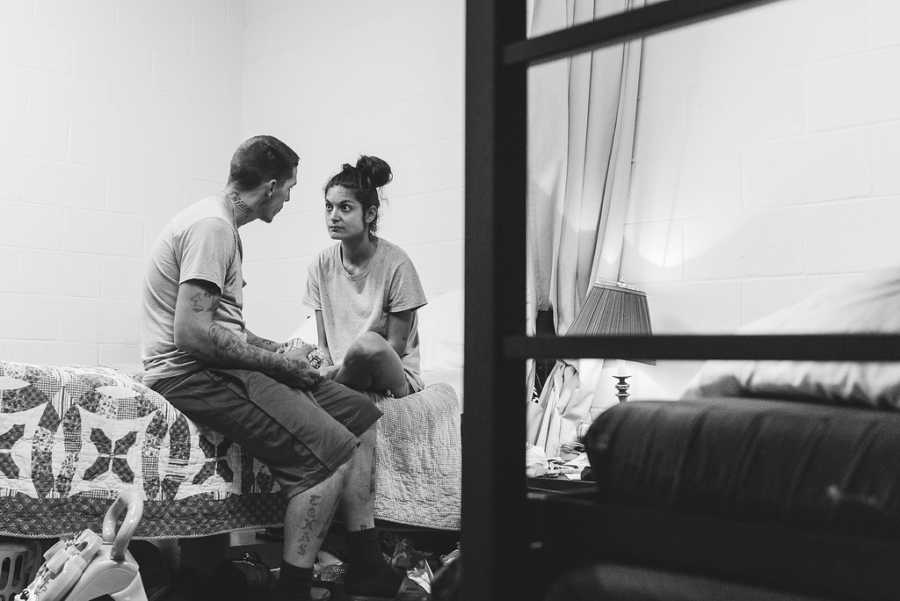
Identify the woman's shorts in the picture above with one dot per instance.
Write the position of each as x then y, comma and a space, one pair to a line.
302, 436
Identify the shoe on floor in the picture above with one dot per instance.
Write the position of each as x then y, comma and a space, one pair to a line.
382, 583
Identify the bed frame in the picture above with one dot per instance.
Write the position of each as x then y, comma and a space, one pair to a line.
497, 515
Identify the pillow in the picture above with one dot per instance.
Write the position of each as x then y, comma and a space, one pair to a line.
441, 332
870, 304
441, 340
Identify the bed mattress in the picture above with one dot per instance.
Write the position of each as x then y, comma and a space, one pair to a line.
826, 468
72, 437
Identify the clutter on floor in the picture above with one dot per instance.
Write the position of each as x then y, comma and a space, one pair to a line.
251, 571
571, 462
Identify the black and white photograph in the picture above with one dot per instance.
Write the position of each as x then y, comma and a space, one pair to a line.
449, 300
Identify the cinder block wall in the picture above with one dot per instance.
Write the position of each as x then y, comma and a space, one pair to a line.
767, 165
338, 79
113, 115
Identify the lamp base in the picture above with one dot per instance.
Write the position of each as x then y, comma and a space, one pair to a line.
621, 388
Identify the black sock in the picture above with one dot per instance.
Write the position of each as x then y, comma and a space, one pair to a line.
293, 583
368, 572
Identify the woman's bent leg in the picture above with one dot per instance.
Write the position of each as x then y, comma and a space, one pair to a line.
371, 364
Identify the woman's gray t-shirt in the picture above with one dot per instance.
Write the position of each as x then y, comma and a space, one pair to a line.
352, 304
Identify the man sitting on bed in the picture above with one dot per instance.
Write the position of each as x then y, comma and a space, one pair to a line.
317, 437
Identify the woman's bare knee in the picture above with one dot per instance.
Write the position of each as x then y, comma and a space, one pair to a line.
372, 359
367, 350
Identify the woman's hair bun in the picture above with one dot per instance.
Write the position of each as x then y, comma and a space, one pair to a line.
377, 171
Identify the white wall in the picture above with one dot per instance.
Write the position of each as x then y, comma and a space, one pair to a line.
113, 114
337, 79
116, 113
766, 164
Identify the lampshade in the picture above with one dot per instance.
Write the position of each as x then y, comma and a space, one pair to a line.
613, 309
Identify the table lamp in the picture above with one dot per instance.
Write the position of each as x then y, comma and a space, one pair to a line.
614, 309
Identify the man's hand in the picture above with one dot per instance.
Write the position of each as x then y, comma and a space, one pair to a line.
197, 333
296, 371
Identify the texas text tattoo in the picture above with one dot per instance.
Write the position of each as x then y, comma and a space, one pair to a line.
308, 524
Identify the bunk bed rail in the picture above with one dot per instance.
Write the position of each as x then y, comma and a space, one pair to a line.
498, 53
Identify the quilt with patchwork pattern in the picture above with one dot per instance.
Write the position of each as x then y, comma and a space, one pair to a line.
72, 437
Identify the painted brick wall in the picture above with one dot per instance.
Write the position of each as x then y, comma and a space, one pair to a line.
337, 79
114, 114
766, 165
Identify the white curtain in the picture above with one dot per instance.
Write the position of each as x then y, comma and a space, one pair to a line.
581, 124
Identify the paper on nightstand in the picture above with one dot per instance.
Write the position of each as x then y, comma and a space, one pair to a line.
579, 462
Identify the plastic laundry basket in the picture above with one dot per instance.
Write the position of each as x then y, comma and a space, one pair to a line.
18, 563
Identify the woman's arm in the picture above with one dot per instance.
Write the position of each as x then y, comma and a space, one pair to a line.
398, 327
323, 340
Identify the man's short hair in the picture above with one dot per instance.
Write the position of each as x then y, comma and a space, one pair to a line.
260, 159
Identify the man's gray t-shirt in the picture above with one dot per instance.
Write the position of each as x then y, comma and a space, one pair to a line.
352, 304
200, 243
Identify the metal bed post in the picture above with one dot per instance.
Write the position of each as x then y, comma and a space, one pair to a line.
493, 431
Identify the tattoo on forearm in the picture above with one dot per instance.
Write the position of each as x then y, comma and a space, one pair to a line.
263, 343
225, 344
229, 350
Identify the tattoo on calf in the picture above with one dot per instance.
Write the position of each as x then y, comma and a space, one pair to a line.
303, 543
308, 524
225, 344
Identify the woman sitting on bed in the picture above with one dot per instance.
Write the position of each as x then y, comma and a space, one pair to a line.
365, 291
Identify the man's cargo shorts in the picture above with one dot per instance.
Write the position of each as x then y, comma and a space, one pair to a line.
302, 436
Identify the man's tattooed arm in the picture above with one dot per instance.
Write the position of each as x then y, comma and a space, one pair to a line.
197, 333
263, 343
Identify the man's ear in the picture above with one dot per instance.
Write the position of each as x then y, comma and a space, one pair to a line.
270, 186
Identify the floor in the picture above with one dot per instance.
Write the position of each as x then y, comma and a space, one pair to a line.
205, 556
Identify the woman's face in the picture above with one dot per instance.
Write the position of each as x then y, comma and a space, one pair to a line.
344, 216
